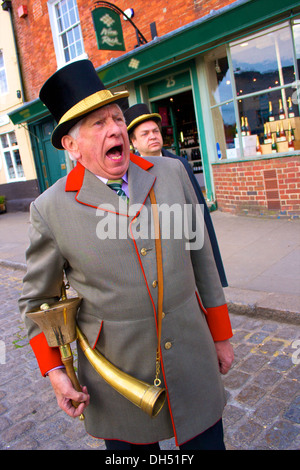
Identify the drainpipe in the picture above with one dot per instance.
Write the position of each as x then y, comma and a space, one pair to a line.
7, 6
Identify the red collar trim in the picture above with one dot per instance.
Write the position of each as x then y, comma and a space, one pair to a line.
75, 177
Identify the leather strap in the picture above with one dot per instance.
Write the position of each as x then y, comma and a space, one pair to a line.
160, 282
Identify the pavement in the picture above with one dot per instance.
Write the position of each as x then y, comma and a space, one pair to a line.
262, 262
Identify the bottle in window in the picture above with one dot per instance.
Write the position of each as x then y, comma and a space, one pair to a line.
281, 110
291, 130
291, 113
271, 115
243, 127
277, 133
265, 133
291, 147
247, 127
269, 134
274, 145
282, 135
258, 146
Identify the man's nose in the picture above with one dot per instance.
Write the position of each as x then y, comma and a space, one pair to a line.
114, 128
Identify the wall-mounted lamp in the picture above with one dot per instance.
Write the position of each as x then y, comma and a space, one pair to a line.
129, 12
19, 94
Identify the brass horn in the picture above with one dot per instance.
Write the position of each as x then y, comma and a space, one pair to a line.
59, 326
149, 398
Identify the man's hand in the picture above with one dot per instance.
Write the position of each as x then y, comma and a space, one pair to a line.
225, 355
65, 393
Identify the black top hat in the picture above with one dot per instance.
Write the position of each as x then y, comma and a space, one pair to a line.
73, 92
137, 114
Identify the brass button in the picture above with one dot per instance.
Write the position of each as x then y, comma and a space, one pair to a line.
168, 345
143, 251
154, 283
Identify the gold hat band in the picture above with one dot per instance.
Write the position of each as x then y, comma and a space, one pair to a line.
92, 102
143, 117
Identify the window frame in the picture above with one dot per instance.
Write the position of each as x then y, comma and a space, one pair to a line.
11, 149
236, 98
57, 35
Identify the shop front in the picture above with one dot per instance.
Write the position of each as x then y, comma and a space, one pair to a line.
254, 102
227, 88
228, 91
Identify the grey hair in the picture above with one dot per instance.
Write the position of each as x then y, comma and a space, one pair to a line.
74, 133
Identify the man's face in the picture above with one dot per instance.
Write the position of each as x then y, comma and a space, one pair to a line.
147, 139
102, 145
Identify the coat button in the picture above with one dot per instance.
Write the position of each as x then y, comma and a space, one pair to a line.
154, 283
168, 345
143, 251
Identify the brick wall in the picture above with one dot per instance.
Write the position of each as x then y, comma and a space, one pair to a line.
268, 186
34, 37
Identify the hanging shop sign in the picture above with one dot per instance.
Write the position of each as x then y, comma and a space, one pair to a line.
108, 29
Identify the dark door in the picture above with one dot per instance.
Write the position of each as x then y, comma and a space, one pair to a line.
50, 162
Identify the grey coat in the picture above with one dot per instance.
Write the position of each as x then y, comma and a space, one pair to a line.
118, 311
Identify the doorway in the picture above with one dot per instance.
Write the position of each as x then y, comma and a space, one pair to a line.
179, 129
50, 163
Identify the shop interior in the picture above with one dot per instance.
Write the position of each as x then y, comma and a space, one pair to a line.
179, 129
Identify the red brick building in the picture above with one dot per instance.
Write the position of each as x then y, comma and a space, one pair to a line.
224, 75
34, 36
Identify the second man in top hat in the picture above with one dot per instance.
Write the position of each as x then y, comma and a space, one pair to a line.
144, 130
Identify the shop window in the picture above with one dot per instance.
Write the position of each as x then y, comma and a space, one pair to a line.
254, 94
66, 30
263, 62
11, 157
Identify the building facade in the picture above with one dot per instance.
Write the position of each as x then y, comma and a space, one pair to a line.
18, 181
223, 75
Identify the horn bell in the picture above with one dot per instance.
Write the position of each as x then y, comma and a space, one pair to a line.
149, 398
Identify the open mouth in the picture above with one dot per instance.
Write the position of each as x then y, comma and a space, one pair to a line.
115, 153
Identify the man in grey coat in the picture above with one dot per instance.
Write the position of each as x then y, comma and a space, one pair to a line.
104, 243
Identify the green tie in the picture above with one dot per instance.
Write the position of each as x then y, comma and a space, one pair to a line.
116, 185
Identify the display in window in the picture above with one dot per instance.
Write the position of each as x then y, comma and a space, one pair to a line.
254, 93
270, 116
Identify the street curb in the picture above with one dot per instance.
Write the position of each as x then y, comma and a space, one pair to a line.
255, 311
259, 309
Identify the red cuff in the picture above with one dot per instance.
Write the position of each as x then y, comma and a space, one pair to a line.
47, 357
219, 322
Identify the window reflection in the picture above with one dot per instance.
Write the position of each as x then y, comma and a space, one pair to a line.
259, 110
218, 75
225, 129
264, 62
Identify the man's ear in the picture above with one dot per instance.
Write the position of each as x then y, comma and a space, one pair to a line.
132, 139
70, 144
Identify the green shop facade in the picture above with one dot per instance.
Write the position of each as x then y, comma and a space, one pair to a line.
227, 88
